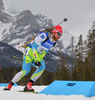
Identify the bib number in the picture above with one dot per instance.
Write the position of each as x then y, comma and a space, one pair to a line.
42, 49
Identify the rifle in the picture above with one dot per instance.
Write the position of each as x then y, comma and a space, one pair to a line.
46, 30
51, 28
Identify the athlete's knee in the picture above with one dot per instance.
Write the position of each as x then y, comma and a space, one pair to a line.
42, 65
27, 68
25, 72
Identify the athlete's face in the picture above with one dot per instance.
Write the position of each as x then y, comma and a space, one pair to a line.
55, 36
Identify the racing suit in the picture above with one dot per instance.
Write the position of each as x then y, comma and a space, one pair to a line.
35, 51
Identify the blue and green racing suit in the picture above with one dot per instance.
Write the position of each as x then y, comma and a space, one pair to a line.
35, 51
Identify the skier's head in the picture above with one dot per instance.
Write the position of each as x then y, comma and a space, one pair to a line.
57, 32
57, 29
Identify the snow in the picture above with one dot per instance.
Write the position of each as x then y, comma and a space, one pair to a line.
4, 27
14, 95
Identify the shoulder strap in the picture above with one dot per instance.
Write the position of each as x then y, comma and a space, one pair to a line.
46, 39
54, 44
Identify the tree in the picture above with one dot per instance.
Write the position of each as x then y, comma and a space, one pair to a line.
79, 58
91, 50
63, 72
2, 80
87, 76
72, 47
74, 75
72, 53
57, 76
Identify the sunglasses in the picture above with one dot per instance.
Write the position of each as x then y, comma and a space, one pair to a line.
58, 33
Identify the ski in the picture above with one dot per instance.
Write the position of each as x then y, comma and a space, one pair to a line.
29, 92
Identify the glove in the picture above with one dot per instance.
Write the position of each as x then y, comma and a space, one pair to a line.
38, 64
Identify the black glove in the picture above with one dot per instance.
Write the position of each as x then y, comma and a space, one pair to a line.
37, 63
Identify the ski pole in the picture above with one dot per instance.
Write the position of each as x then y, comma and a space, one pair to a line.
17, 58
10, 55
21, 60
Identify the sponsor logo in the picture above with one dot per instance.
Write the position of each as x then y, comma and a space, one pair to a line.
48, 44
42, 36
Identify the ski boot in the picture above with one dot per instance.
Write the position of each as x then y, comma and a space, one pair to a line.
9, 86
28, 87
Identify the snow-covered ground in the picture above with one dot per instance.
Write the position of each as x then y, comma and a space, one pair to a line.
14, 95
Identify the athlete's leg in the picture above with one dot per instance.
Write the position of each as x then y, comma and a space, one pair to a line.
38, 72
25, 70
35, 76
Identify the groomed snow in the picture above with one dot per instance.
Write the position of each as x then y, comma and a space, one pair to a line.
14, 95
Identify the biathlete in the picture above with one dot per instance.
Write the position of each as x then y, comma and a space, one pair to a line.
34, 54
